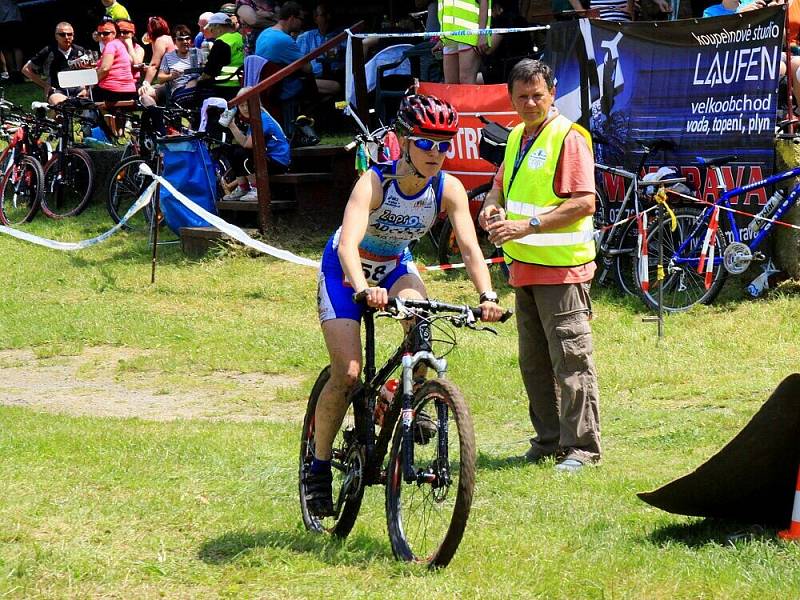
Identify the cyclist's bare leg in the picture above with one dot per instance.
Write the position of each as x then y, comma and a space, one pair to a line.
343, 339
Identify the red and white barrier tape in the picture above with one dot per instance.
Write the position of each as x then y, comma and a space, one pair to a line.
735, 211
446, 267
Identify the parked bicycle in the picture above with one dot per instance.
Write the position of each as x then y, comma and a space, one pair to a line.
617, 236
22, 181
429, 477
707, 244
69, 172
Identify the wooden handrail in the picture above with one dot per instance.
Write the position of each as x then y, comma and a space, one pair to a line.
295, 66
254, 108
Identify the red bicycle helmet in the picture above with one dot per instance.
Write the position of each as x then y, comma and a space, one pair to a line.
426, 115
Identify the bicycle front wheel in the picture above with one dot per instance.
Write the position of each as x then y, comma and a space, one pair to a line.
347, 463
683, 286
21, 191
426, 517
68, 183
127, 184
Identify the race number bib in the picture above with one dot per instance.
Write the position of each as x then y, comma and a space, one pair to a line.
375, 271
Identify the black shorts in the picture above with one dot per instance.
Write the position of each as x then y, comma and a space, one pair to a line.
103, 95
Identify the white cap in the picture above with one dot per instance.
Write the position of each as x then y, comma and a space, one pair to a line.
220, 19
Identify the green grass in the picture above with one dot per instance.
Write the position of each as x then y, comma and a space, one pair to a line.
96, 506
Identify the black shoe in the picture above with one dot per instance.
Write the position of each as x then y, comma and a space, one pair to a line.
424, 428
319, 493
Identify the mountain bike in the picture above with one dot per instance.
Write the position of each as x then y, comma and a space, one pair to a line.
22, 180
706, 246
617, 238
425, 427
69, 173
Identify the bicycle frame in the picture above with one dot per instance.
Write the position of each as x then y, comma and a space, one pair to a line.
723, 201
376, 446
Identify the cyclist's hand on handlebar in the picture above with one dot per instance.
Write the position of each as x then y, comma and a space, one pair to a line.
491, 312
490, 214
376, 297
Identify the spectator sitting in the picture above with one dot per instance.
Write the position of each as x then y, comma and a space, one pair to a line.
226, 58
254, 17
114, 74
278, 152
726, 7
229, 8
63, 55
178, 72
115, 11
127, 33
277, 46
328, 66
202, 21
160, 39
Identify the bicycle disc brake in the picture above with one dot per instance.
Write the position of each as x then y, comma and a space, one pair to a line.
737, 258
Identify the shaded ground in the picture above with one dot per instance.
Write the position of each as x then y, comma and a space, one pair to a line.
93, 383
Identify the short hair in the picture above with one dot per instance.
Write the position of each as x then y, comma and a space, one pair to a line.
181, 30
105, 22
290, 9
156, 27
63, 24
527, 70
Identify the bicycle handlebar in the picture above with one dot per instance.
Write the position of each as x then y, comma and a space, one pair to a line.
433, 306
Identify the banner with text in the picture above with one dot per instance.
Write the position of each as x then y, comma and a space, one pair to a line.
709, 86
470, 101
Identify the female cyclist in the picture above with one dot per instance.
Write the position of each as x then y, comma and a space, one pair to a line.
389, 207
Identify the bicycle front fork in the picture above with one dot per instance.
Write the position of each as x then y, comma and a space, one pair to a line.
409, 362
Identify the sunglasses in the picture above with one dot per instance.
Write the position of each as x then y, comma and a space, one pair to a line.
183, 38
64, 34
126, 32
427, 145
105, 33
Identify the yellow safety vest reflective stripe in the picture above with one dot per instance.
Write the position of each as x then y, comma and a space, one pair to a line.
531, 193
460, 15
227, 76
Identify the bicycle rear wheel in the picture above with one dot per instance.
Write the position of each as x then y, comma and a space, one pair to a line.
683, 286
21, 191
426, 520
68, 183
127, 184
347, 463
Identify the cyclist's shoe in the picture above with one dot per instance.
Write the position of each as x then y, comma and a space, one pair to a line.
424, 428
319, 493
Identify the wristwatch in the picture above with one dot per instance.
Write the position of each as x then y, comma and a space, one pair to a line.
535, 223
488, 296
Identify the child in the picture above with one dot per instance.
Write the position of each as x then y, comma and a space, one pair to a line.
278, 152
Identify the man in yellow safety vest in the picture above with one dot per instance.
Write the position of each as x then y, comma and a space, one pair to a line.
540, 210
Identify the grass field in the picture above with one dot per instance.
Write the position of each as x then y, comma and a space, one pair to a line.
149, 436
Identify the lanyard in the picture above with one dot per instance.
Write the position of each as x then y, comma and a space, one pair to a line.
523, 152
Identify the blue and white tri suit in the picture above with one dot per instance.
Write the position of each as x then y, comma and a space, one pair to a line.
384, 252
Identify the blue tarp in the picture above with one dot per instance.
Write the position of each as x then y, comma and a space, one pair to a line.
189, 167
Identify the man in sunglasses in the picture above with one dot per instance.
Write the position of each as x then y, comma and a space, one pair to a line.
390, 206
63, 55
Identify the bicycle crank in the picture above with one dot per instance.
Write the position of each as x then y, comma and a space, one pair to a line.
737, 258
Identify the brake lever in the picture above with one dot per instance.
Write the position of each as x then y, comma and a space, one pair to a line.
475, 327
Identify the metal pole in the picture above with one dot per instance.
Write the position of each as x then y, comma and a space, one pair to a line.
155, 225
659, 270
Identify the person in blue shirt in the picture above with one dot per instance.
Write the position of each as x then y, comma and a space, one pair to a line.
726, 7
241, 155
330, 65
277, 45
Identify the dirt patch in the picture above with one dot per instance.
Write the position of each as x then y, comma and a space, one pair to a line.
90, 383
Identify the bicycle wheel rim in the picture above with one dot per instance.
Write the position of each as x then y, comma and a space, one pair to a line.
67, 190
347, 461
127, 184
21, 189
426, 522
683, 287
